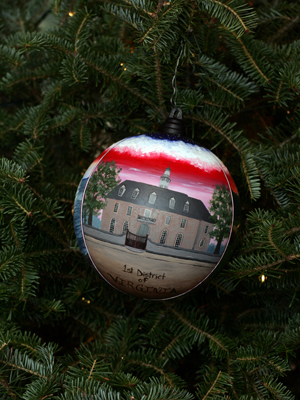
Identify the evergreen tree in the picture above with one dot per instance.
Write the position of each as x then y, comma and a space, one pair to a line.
221, 212
79, 75
102, 181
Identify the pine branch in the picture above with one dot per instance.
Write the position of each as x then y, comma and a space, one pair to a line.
22, 368
290, 23
235, 15
11, 171
12, 56
157, 389
132, 19
277, 390
251, 173
240, 144
254, 56
252, 61
157, 33
153, 367
7, 389
216, 128
32, 41
256, 264
78, 33
215, 385
120, 83
256, 359
14, 123
221, 347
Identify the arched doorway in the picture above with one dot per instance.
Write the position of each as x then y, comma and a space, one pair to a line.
138, 241
143, 230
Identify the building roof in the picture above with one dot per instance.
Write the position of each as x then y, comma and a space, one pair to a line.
197, 209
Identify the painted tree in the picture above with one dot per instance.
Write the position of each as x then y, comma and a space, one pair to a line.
103, 180
221, 212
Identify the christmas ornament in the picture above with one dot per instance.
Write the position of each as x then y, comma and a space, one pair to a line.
155, 213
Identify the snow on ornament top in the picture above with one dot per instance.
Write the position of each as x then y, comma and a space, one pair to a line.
155, 215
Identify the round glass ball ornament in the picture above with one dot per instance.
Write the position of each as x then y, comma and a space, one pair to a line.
156, 214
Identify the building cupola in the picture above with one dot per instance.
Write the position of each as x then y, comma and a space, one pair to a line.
165, 179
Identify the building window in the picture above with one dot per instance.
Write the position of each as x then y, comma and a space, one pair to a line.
186, 207
116, 207
122, 190
206, 229
147, 213
125, 227
168, 219
201, 243
183, 223
178, 240
172, 202
163, 237
135, 193
129, 210
112, 225
152, 198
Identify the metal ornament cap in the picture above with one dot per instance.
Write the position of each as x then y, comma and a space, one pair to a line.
174, 125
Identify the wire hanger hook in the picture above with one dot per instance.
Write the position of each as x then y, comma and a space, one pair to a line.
174, 85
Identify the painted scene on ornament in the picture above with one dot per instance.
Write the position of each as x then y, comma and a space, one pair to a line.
156, 216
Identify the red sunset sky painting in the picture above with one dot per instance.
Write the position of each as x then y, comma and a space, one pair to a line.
187, 178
